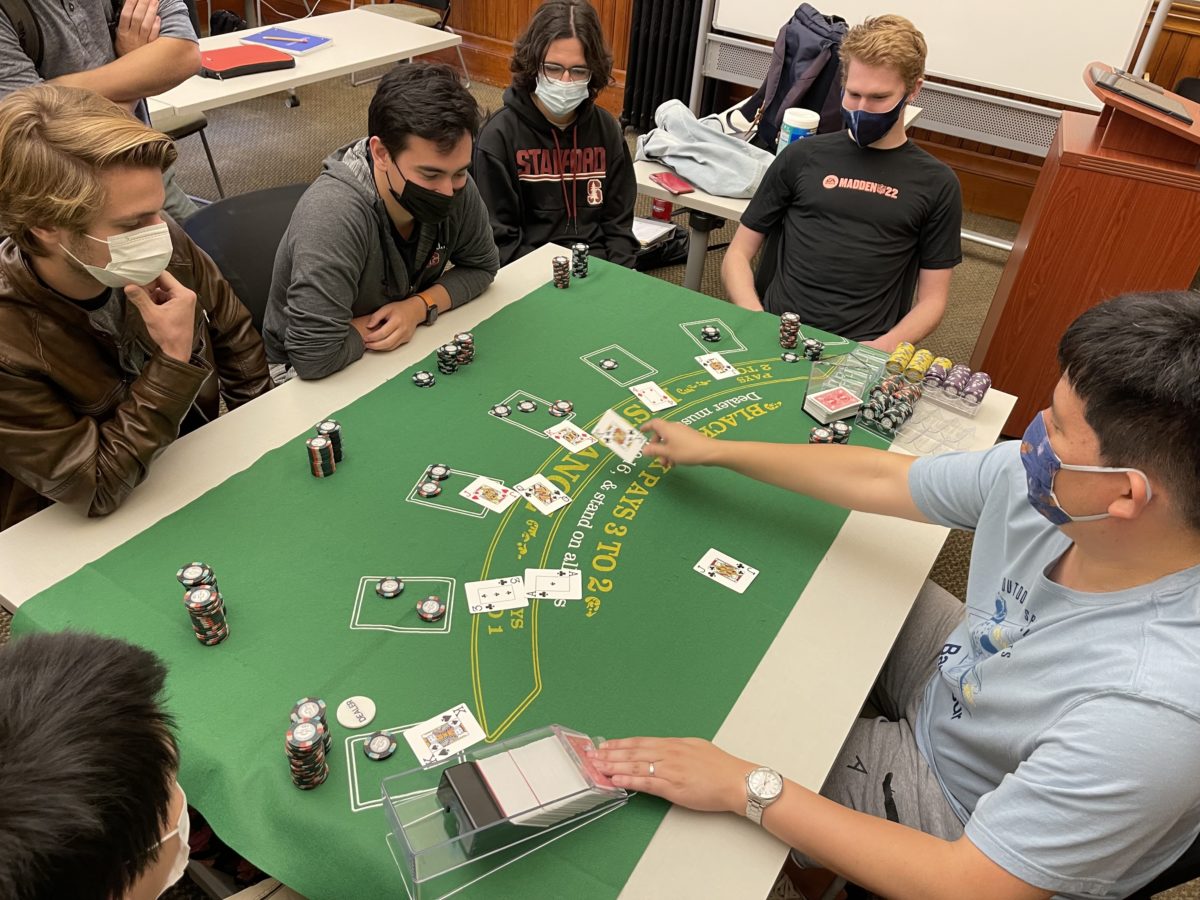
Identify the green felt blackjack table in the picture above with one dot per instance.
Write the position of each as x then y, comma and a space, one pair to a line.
652, 648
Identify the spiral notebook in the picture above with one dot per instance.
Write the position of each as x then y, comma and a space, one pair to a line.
296, 43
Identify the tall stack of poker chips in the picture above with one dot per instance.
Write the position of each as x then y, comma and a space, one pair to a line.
956, 380
789, 330
900, 357
918, 365
204, 603
466, 347
579, 260
813, 349
313, 709
891, 403
711, 333
321, 461
332, 429
447, 357
977, 385
562, 272
305, 747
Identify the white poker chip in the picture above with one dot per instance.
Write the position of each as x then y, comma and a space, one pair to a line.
356, 712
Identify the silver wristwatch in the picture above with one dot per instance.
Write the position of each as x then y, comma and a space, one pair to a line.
763, 787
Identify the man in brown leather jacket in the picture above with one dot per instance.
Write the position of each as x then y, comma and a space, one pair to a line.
117, 333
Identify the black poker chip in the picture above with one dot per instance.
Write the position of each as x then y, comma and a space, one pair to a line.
501, 410
789, 356
608, 364
429, 489
424, 379
431, 608
527, 406
439, 472
387, 588
379, 745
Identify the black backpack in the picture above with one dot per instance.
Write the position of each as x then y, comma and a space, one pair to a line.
25, 24
805, 72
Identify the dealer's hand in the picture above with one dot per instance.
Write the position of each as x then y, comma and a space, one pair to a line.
678, 445
169, 311
391, 325
687, 771
138, 25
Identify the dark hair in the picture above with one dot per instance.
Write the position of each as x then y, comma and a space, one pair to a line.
1134, 361
87, 762
425, 99
553, 21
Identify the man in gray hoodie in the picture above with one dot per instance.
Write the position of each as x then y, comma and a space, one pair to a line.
391, 233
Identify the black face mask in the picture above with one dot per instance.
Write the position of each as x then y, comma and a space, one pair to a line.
426, 206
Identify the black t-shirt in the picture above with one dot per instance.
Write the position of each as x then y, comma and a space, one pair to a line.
857, 225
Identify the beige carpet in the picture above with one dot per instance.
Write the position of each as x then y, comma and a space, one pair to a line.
263, 143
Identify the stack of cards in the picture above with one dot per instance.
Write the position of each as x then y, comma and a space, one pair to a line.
831, 404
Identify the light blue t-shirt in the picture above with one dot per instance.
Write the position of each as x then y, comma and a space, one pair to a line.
1063, 727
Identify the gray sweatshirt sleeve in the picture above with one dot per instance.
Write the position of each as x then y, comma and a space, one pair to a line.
329, 238
474, 253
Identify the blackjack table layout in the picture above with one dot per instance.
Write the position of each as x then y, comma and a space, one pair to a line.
651, 646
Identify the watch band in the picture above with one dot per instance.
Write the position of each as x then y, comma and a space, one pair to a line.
754, 810
431, 308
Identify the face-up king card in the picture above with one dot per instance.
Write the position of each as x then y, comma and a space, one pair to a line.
444, 735
545, 496
619, 436
724, 569
717, 366
570, 435
490, 494
654, 397
495, 594
553, 584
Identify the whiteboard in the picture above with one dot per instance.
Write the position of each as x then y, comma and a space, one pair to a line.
1037, 48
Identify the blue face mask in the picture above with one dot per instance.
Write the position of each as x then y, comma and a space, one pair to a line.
868, 127
1042, 464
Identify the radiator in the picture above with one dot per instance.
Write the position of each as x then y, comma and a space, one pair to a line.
662, 49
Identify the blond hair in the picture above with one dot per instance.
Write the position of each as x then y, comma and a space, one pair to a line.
55, 143
890, 41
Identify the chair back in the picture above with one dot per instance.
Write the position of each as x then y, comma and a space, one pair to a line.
241, 234
1183, 870
441, 6
1190, 88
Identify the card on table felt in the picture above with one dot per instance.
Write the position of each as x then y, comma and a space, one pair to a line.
654, 397
490, 494
444, 735
544, 494
619, 436
717, 366
725, 569
570, 435
553, 584
495, 594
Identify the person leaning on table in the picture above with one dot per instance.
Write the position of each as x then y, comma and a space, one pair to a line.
117, 333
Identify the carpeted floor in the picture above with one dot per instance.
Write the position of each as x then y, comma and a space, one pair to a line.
262, 143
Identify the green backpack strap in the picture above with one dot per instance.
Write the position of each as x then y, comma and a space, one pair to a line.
25, 24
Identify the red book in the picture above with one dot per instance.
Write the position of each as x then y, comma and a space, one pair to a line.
244, 59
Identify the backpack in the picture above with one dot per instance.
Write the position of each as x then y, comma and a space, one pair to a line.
804, 72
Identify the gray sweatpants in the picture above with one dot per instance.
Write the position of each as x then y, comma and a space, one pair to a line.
879, 769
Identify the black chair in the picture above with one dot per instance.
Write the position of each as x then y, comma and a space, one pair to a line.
1190, 88
241, 234
1184, 869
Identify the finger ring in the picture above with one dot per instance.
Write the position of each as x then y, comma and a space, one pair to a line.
651, 770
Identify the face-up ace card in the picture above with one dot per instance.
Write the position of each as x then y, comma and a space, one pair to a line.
717, 366
619, 436
544, 494
490, 494
495, 594
443, 736
724, 569
570, 435
654, 397
553, 584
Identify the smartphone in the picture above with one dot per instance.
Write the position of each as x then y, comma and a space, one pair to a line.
671, 182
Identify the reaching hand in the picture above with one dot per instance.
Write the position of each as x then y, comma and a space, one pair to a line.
678, 444
687, 771
169, 311
138, 25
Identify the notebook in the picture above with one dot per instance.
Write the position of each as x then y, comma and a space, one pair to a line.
230, 62
296, 43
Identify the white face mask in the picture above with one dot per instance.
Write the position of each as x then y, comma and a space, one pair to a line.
135, 257
561, 98
183, 828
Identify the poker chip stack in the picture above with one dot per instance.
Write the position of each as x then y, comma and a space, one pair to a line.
562, 272
936, 374
321, 460
431, 484
423, 379
204, 603
841, 432
956, 380
579, 260
711, 333
447, 357
820, 435
917, 366
466, 347
891, 403
900, 357
305, 746
813, 349
977, 385
789, 330
313, 709
331, 429
561, 408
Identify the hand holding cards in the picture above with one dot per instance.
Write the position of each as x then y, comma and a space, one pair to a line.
619, 436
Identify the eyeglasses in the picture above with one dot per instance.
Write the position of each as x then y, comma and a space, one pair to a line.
555, 72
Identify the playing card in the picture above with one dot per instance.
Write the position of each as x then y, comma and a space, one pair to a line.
724, 569
717, 366
490, 494
553, 584
654, 397
545, 496
495, 594
570, 435
581, 744
444, 735
619, 436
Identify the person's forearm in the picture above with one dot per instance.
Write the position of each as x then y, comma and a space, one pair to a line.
145, 72
914, 327
464, 283
859, 478
738, 276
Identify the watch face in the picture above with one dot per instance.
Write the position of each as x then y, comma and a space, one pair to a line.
765, 784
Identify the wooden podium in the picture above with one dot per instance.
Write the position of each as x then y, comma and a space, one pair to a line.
1116, 208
